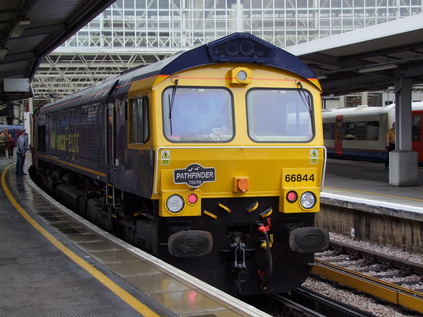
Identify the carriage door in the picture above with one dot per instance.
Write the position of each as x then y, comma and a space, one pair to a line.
417, 134
339, 134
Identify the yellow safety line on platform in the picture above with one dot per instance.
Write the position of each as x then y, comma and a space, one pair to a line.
376, 194
124, 295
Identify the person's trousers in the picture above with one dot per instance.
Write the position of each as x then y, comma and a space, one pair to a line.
20, 160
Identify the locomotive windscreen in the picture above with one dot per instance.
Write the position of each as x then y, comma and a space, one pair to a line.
198, 114
276, 115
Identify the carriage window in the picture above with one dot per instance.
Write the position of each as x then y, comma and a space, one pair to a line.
329, 131
198, 114
276, 115
366, 130
138, 109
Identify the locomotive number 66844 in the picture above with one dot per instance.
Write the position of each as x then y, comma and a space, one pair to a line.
211, 160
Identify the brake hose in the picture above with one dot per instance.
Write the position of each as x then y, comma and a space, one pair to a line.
268, 262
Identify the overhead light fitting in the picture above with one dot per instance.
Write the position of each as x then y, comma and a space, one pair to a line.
3, 52
377, 68
19, 27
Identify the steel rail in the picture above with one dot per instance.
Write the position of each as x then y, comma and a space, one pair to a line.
384, 259
303, 302
370, 285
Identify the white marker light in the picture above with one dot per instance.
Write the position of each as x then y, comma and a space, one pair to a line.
175, 203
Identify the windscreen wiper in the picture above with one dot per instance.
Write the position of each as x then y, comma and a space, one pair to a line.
171, 102
306, 98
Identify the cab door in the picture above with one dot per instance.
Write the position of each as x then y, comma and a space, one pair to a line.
417, 134
339, 134
116, 137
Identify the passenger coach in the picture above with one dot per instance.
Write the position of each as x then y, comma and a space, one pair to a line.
359, 133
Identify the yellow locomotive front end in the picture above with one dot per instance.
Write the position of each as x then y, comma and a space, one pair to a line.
239, 162
252, 138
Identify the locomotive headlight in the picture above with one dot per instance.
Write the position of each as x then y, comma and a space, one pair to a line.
240, 76
180, 203
175, 203
308, 200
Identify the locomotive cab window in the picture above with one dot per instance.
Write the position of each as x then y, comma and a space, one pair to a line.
278, 115
139, 129
198, 114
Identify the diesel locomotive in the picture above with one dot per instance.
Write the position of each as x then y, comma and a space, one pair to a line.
212, 160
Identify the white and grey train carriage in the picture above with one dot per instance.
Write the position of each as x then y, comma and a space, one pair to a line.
359, 133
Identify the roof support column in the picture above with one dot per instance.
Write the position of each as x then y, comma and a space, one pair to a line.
403, 90
403, 163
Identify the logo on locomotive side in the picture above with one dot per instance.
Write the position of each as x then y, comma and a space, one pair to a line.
194, 175
68, 142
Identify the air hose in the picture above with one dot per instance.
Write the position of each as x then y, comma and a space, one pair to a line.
265, 271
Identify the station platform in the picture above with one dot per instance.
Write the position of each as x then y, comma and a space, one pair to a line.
51, 267
53, 263
357, 201
367, 184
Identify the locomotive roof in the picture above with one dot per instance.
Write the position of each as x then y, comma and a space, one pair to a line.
234, 48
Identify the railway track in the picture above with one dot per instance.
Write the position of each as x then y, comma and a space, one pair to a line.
303, 303
387, 278
308, 303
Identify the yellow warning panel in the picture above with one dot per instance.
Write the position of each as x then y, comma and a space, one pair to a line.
314, 156
165, 157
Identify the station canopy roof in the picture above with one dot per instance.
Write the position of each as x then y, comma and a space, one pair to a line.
30, 30
363, 60
368, 59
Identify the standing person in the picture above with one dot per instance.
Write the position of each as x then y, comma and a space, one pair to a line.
390, 142
22, 147
2, 144
10, 145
